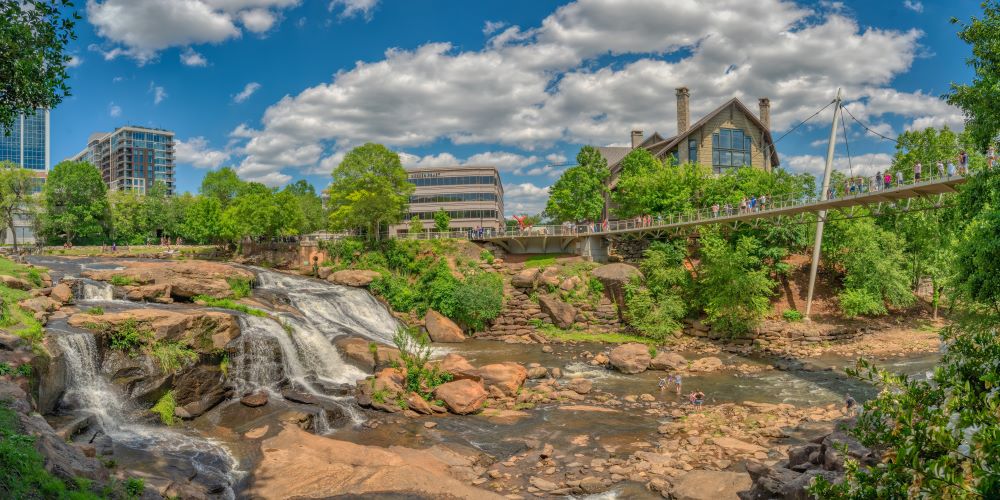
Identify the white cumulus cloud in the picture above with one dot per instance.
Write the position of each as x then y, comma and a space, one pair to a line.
196, 152
525, 198
354, 7
192, 58
114, 110
914, 5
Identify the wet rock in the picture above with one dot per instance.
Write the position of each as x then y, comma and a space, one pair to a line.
49, 371
200, 389
709, 364
779, 482
833, 459
561, 313
367, 355
669, 361
630, 358
461, 396
140, 376
580, 385
537, 372
709, 485
592, 484
508, 377
353, 277
556, 372
571, 283
735, 445
62, 293
39, 305
442, 329
254, 400
16, 283
154, 292
201, 330
186, 278
418, 404
299, 397
542, 484
459, 367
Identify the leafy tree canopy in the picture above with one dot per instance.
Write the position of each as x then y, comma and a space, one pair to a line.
979, 98
578, 195
76, 202
15, 194
223, 184
370, 188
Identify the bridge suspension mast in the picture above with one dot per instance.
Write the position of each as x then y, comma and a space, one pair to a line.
821, 215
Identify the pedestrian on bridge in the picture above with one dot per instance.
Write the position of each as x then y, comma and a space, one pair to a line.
940, 169
951, 168
878, 181
887, 182
963, 163
753, 203
743, 205
917, 169
715, 210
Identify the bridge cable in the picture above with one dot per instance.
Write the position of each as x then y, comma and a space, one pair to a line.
847, 145
774, 143
866, 127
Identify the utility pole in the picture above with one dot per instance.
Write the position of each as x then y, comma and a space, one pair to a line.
821, 215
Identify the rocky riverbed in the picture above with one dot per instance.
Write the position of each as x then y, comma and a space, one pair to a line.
307, 398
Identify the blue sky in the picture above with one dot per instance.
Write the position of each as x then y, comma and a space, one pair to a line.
280, 89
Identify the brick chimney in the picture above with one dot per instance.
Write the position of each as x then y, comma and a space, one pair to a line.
765, 112
636, 138
683, 110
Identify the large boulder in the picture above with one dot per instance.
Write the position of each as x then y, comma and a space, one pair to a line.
187, 278
525, 278
630, 358
508, 376
62, 293
669, 361
201, 330
461, 396
353, 277
200, 389
367, 355
562, 314
614, 277
442, 329
709, 485
459, 367
16, 283
154, 293
39, 305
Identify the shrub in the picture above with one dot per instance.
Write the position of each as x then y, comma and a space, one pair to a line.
792, 315
122, 280
415, 352
478, 299
859, 302
34, 276
5, 369
733, 286
24, 370
239, 286
595, 286
95, 311
228, 304
165, 408
134, 487
396, 290
654, 319
224, 365
437, 286
173, 356
487, 256
344, 250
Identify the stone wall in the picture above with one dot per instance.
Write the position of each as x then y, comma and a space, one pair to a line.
781, 333
628, 250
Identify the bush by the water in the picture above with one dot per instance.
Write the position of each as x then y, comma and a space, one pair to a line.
415, 351
792, 315
165, 408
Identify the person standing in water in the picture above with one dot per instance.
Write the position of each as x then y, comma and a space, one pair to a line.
850, 405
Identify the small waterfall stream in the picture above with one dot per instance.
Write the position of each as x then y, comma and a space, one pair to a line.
92, 290
207, 461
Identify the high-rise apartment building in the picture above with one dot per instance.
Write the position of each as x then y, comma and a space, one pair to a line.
132, 158
26, 144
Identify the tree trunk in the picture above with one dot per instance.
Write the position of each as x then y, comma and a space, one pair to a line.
935, 296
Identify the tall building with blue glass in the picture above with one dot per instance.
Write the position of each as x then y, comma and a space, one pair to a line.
26, 144
132, 158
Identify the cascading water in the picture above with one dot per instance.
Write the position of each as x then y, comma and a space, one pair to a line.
89, 392
333, 310
96, 291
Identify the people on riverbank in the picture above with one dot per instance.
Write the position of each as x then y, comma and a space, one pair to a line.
850, 405
697, 398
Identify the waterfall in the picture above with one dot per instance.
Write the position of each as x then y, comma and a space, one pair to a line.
333, 310
93, 394
97, 290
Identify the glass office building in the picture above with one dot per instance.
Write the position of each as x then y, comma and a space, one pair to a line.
26, 144
472, 196
132, 158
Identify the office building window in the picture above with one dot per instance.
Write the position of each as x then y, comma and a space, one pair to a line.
730, 149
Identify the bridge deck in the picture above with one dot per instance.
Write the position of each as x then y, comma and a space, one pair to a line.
905, 191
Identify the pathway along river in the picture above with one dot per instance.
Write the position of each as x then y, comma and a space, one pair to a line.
212, 451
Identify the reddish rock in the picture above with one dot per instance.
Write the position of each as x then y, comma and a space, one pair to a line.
630, 358
580, 385
442, 329
709, 364
525, 278
459, 367
562, 314
254, 400
203, 331
461, 396
39, 305
507, 377
148, 292
62, 293
16, 283
186, 278
669, 361
359, 352
353, 277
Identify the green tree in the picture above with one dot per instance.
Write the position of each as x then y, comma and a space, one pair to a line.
732, 286
979, 98
128, 217
442, 221
15, 195
416, 226
33, 38
369, 189
76, 201
657, 308
873, 263
203, 221
223, 184
310, 205
977, 263
578, 195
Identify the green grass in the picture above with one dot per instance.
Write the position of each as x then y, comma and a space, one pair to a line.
95, 311
16, 320
539, 261
224, 365
556, 333
22, 468
228, 304
173, 356
239, 286
132, 250
22, 271
122, 280
791, 315
165, 408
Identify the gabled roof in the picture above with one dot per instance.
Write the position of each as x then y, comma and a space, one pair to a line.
701, 123
613, 154
653, 139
